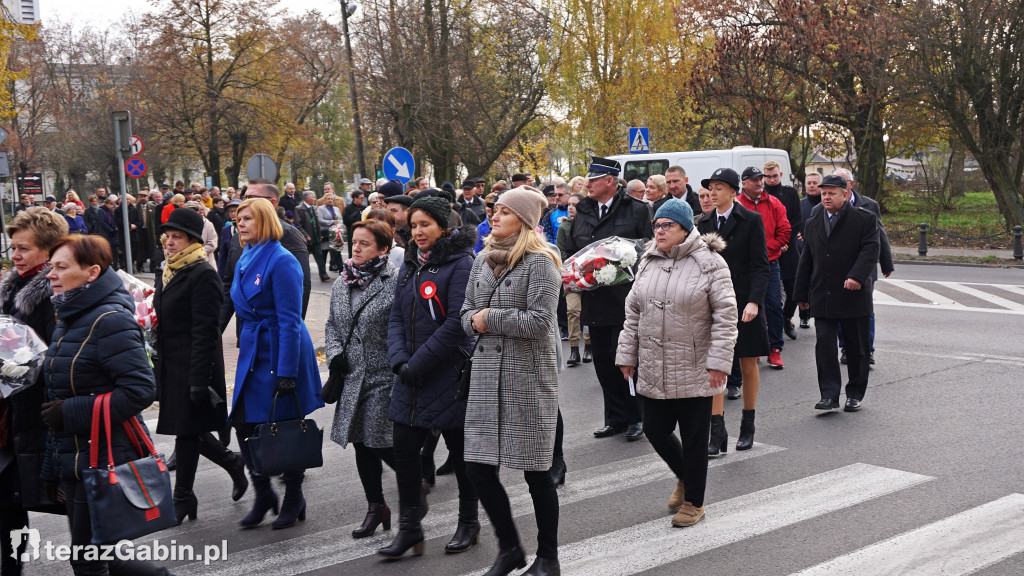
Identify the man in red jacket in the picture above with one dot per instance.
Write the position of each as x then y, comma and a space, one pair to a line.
776, 233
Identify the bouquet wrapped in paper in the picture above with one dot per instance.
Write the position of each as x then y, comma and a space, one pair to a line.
145, 313
602, 263
337, 237
21, 352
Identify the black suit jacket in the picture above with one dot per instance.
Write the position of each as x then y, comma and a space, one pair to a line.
746, 252
307, 222
850, 251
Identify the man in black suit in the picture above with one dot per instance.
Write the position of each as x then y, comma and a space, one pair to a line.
609, 211
307, 223
884, 251
807, 204
791, 257
834, 281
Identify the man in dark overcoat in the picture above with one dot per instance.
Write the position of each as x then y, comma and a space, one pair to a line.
834, 281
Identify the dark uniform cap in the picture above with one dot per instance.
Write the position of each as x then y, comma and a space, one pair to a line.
520, 178
403, 200
727, 175
602, 167
391, 188
549, 190
751, 172
833, 180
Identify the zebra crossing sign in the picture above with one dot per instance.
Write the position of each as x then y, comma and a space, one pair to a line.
639, 141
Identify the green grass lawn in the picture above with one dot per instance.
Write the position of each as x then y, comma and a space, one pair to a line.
975, 222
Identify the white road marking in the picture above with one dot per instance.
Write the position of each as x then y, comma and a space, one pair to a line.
960, 544
982, 295
935, 298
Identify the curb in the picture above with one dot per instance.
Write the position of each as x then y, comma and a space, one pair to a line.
962, 264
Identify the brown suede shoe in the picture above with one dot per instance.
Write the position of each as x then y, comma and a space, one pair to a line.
688, 515
678, 498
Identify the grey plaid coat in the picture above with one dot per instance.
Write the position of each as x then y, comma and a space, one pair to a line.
513, 395
362, 411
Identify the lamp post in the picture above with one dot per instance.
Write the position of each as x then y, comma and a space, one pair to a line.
348, 9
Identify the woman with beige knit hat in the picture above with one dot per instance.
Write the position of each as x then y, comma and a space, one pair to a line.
511, 415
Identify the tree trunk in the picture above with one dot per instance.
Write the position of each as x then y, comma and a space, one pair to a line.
869, 144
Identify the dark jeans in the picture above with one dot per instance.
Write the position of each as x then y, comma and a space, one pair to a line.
81, 535
826, 356
688, 460
773, 306
188, 450
496, 504
370, 465
789, 306
408, 440
11, 518
620, 409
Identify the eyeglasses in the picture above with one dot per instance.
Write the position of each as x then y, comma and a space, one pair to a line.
490, 204
666, 226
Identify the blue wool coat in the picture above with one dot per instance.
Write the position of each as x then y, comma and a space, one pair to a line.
429, 344
274, 342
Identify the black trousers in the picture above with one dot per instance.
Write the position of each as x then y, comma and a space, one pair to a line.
620, 409
188, 450
688, 459
370, 465
858, 353
789, 304
11, 518
408, 440
496, 504
81, 535
318, 257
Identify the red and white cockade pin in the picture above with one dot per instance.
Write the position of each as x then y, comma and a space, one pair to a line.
258, 278
428, 291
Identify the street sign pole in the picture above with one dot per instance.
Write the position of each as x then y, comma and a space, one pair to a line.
122, 144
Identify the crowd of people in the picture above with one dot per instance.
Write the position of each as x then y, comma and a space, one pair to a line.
446, 321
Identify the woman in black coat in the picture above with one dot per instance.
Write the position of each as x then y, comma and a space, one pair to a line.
96, 347
746, 252
190, 361
25, 294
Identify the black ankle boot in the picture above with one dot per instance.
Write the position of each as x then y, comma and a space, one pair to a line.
266, 500
410, 534
376, 515
214, 450
574, 356
467, 533
544, 567
719, 443
293, 507
557, 471
508, 560
185, 505
746, 439
588, 354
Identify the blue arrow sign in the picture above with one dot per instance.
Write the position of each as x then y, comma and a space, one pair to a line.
135, 167
639, 141
399, 165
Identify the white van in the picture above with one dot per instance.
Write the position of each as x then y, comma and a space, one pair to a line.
701, 164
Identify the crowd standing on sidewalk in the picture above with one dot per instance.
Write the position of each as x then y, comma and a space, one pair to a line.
446, 321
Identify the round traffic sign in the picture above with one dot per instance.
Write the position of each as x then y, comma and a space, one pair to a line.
399, 164
136, 145
135, 167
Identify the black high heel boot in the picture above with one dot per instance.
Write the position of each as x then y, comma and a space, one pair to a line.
410, 534
216, 452
574, 356
185, 505
266, 500
746, 439
719, 443
376, 515
544, 567
467, 533
293, 507
588, 354
508, 560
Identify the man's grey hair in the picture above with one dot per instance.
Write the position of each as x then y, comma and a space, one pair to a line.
843, 172
635, 185
562, 186
308, 194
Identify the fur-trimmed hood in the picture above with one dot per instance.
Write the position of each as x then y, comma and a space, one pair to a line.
712, 240
36, 291
460, 240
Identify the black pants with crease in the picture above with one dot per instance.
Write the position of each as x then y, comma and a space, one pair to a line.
620, 409
688, 459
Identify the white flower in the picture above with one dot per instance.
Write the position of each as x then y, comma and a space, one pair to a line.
13, 370
22, 356
628, 257
606, 275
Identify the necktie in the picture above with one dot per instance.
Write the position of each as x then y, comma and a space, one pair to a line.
721, 222
604, 211
828, 227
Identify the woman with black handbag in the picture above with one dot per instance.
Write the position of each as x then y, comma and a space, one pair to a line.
424, 340
277, 372
360, 378
190, 362
97, 347
511, 417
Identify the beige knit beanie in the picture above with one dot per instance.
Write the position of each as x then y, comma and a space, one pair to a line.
525, 202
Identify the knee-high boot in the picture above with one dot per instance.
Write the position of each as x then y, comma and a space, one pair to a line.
293, 507
215, 451
266, 498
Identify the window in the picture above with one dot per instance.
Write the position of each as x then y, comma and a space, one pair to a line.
643, 169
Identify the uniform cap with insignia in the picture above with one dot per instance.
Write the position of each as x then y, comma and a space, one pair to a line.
600, 167
727, 175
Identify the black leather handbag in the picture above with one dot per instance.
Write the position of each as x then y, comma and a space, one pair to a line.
131, 499
288, 445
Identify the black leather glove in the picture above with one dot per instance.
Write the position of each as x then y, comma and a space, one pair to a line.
53, 415
284, 385
409, 378
202, 395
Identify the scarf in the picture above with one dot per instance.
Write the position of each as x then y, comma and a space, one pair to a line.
253, 252
498, 251
360, 275
190, 256
33, 271
58, 299
423, 257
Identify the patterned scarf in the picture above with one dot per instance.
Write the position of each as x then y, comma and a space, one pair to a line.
423, 257
66, 296
33, 271
360, 275
498, 251
190, 256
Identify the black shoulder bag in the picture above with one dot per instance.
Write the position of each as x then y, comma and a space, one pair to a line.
331, 392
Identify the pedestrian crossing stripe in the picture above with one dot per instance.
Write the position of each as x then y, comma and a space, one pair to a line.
936, 301
962, 544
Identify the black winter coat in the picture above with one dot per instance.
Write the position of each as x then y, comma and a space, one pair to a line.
884, 251
108, 226
21, 460
97, 348
189, 350
429, 344
851, 251
627, 218
790, 198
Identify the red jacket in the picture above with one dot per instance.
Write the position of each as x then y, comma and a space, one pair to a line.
776, 224
166, 213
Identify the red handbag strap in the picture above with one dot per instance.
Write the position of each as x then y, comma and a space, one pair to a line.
94, 444
133, 429
106, 424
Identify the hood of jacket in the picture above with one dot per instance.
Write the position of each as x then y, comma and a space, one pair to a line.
461, 240
36, 291
107, 288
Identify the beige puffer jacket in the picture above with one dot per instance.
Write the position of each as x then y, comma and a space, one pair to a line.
680, 320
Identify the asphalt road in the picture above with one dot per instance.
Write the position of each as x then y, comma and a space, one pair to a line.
927, 479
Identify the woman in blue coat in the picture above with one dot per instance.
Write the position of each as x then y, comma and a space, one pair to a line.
275, 352
426, 349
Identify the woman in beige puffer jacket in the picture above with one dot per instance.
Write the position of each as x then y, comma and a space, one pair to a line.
678, 340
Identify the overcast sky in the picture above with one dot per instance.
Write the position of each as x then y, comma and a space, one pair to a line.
103, 11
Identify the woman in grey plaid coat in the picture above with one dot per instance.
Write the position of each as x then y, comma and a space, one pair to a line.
355, 339
511, 302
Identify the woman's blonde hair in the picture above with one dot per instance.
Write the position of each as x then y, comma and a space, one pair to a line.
47, 227
529, 242
72, 195
659, 181
178, 199
268, 227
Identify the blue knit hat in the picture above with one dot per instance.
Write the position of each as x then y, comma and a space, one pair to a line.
676, 209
